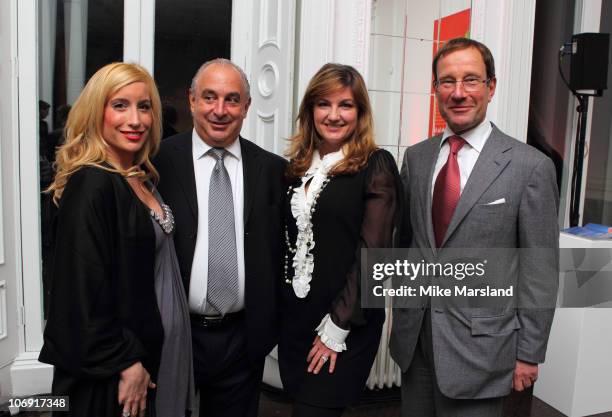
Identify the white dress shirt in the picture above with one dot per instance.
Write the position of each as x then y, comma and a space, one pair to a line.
203, 165
468, 154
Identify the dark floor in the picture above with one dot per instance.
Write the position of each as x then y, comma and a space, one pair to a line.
386, 404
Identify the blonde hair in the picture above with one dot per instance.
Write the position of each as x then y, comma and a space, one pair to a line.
357, 149
85, 146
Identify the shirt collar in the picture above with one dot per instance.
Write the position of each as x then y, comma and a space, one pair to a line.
328, 160
475, 137
200, 148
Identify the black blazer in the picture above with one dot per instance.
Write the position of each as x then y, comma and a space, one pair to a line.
264, 189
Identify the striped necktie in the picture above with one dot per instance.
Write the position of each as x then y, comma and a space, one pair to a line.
222, 289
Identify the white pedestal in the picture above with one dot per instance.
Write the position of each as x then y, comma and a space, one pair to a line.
575, 379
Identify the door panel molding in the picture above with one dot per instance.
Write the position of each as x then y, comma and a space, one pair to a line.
268, 63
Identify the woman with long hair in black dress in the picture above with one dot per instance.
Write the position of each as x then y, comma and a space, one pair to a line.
344, 196
118, 326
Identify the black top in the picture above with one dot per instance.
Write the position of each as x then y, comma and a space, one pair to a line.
352, 212
103, 313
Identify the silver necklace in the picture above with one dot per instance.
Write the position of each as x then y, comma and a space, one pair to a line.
166, 221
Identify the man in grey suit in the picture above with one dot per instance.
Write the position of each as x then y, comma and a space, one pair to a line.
475, 187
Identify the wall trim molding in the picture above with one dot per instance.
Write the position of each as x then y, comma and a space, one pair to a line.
29, 376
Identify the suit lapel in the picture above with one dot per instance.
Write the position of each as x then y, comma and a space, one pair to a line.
182, 160
491, 162
251, 166
430, 161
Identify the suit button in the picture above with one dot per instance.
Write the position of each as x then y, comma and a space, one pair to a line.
192, 235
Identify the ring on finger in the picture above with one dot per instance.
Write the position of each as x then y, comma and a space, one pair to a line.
324, 358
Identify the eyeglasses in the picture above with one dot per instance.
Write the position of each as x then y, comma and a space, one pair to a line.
469, 84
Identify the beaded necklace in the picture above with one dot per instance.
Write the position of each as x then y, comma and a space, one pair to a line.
308, 236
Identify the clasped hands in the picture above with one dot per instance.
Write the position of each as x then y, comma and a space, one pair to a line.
319, 355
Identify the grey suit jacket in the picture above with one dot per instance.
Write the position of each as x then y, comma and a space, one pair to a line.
475, 350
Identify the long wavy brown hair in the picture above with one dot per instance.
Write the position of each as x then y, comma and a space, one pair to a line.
85, 146
358, 147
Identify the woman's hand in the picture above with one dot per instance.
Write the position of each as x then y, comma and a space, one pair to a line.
318, 356
133, 386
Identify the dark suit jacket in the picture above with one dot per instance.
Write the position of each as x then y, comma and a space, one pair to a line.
264, 189
475, 350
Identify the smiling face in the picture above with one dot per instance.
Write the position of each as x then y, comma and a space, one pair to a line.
219, 104
127, 122
460, 109
335, 118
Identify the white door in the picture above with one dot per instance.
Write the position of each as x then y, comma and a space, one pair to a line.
263, 43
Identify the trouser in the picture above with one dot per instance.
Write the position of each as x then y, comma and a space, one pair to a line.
228, 382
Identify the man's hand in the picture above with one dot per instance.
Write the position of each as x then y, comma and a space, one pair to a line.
525, 374
133, 386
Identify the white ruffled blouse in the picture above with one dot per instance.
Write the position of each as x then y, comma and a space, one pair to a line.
303, 203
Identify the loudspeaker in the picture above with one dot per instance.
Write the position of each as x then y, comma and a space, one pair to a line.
589, 61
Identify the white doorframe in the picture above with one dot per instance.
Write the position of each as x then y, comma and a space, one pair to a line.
241, 49
242, 10
12, 339
139, 33
28, 169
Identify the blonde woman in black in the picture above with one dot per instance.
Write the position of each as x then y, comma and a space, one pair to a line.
118, 327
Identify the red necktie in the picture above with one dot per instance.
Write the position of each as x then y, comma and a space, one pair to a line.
447, 191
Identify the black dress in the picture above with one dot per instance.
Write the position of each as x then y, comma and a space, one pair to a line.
352, 212
103, 314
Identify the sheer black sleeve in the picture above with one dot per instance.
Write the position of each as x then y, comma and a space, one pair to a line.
380, 219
